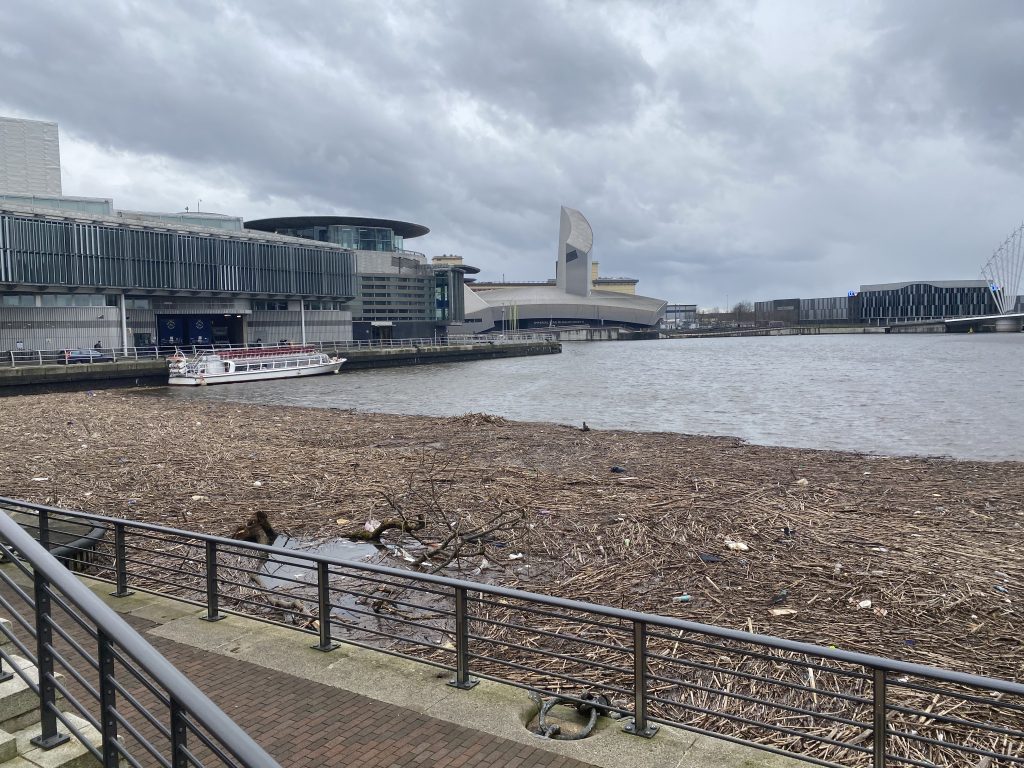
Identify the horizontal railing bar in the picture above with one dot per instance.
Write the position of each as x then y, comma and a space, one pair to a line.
550, 673
484, 675
977, 724
759, 724
117, 629
74, 730
391, 636
549, 614
26, 653
971, 697
554, 655
547, 633
71, 670
850, 657
759, 678
745, 742
141, 708
751, 653
141, 740
769, 703
951, 745
71, 699
207, 742
25, 624
56, 599
129, 667
129, 758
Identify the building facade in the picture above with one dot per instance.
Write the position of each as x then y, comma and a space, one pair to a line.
573, 298
888, 303
70, 279
29, 157
398, 292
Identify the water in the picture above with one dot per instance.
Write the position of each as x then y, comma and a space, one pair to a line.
954, 395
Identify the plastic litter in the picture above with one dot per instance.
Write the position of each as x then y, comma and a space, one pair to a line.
681, 599
736, 546
343, 521
864, 604
516, 556
706, 557
782, 611
197, 497
257, 484
371, 525
618, 470
803, 481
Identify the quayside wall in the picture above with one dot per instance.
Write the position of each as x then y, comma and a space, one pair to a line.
155, 371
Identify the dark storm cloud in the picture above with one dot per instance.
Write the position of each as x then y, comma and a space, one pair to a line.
741, 148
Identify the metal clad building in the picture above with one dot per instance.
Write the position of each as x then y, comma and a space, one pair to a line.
66, 277
29, 157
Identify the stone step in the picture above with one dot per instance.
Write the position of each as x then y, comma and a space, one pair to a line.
19, 705
71, 754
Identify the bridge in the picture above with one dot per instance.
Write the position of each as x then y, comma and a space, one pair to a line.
1003, 271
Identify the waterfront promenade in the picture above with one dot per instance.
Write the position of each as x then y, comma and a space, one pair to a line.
353, 707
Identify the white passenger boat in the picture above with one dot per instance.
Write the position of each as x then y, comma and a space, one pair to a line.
227, 366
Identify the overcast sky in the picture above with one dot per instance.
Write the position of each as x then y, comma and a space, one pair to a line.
721, 151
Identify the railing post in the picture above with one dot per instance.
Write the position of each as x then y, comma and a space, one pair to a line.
120, 563
108, 702
639, 725
462, 678
212, 606
179, 736
44, 529
878, 739
49, 737
323, 593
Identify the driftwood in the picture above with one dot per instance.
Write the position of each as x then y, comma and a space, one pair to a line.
913, 558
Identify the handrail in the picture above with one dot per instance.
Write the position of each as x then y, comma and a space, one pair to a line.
770, 641
470, 629
109, 623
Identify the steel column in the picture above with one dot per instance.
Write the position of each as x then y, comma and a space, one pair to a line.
49, 737
323, 593
108, 702
120, 563
639, 725
879, 725
212, 597
179, 736
462, 678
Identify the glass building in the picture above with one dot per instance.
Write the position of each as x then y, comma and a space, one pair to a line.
399, 294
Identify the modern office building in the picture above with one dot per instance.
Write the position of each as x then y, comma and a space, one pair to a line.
29, 157
398, 292
888, 303
70, 279
571, 299
75, 271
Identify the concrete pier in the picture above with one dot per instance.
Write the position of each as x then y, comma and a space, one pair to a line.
154, 371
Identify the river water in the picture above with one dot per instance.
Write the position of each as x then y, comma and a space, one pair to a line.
959, 395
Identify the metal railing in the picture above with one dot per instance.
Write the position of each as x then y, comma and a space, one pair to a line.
36, 357
144, 708
827, 706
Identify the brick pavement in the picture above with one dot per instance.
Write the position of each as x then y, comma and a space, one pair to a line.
304, 723
300, 722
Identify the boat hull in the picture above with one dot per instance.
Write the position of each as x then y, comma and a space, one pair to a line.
233, 378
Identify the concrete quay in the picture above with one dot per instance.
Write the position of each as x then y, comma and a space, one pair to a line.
154, 371
358, 707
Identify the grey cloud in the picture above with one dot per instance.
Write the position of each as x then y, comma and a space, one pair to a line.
711, 152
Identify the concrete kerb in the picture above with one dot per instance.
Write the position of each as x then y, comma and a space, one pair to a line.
493, 708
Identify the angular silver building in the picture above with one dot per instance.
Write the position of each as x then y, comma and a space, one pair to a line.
571, 300
29, 157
